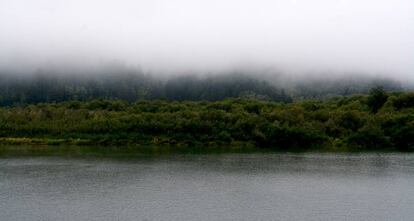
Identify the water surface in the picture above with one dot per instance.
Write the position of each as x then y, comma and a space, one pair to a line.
219, 186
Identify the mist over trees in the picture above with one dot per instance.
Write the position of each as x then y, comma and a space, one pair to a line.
133, 85
124, 106
320, 88
219, 87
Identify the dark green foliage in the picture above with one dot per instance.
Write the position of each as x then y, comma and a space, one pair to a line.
351, 120
292, 138
400, 129
369, 139
336, 123
404, 138
404, 101
376, 99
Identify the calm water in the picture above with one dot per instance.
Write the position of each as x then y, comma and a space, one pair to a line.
255, 186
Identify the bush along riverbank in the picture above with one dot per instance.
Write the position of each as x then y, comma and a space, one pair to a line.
378, 121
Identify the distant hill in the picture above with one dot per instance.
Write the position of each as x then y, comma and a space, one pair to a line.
133, 85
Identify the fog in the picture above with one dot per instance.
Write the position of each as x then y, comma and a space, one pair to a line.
170, 36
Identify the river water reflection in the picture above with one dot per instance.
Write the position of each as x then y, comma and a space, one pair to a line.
219, 186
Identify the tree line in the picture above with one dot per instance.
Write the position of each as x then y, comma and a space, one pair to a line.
133, 85
378, 121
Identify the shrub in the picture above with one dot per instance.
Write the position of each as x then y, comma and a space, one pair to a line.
369, 139
377, 98
404, 101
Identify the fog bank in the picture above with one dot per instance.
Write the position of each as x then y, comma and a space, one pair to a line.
295, 36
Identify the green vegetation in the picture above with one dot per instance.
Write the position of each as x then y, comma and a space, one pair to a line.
378, 121
377, 99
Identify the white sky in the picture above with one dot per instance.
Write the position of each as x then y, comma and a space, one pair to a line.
361, 35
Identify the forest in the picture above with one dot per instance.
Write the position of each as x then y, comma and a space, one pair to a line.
133, 85
379, 120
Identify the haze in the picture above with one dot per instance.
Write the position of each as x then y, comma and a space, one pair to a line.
371, 36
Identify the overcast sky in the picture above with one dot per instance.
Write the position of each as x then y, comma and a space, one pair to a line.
375, 36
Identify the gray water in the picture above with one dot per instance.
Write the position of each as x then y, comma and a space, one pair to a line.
256, 186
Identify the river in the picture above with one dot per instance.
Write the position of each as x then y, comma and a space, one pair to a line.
203, 186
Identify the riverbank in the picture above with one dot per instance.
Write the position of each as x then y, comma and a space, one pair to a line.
138, 151
379, 121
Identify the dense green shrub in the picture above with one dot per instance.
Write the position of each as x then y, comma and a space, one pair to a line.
377, 98
404, 101
284, 126
369, 139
